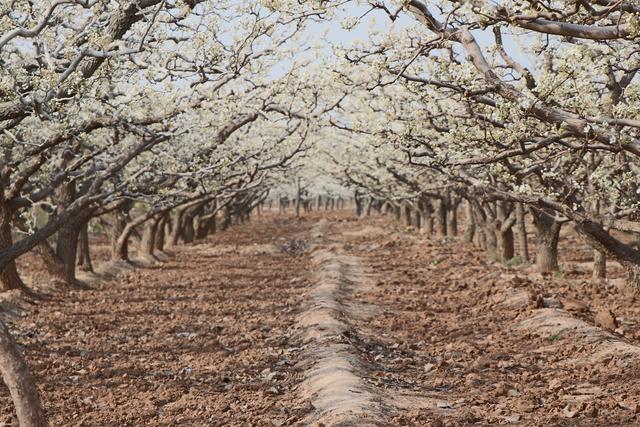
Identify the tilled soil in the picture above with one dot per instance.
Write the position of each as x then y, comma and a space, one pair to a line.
202, 339
449, 330
442, 335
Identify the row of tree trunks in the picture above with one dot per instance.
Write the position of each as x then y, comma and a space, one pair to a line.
499, 227
302, 203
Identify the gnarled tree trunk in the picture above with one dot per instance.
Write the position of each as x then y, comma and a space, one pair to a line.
521, 233
504, 230
470, 229
67, 250
506, 249
487, 230
160, 232
407, 214
176, 226
61, 263
148, 242
20, 383
547, 235
599, 265
441, 217
453, 201
600, 238
427, 215
417, 219
9, 277
84, 251
397, 212
188, 231
358, 201
118, 222
369, 206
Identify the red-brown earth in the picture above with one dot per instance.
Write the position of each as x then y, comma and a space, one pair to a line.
443, 335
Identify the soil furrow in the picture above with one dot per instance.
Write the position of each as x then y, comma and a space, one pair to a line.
333, 369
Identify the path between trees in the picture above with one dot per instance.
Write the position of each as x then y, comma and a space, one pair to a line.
335, 322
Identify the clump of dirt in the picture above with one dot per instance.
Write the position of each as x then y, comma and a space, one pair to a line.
294, 247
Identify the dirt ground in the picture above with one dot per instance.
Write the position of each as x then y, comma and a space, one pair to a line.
199, 340
436, 334
450, 328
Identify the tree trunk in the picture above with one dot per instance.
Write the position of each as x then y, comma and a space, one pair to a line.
486, 222
599, 265
440, 218
199, 226
298, 197
407, 215
505, 244
84, 250
121, 250
188, 230
600, 238
9, 277
212, 224
119, 221
470, 229
547, 235
148, 243
176, 227
505, 220
452, 215
226, 218
160, 232
202, 227
369, 206
426, 209
491, 240
417, 219
521, 233
61, 263
67, 251
20, 383
358, 202
480, 238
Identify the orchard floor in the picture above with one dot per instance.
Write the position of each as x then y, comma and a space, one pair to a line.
436, 333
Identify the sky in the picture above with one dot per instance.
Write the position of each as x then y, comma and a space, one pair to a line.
378, 20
